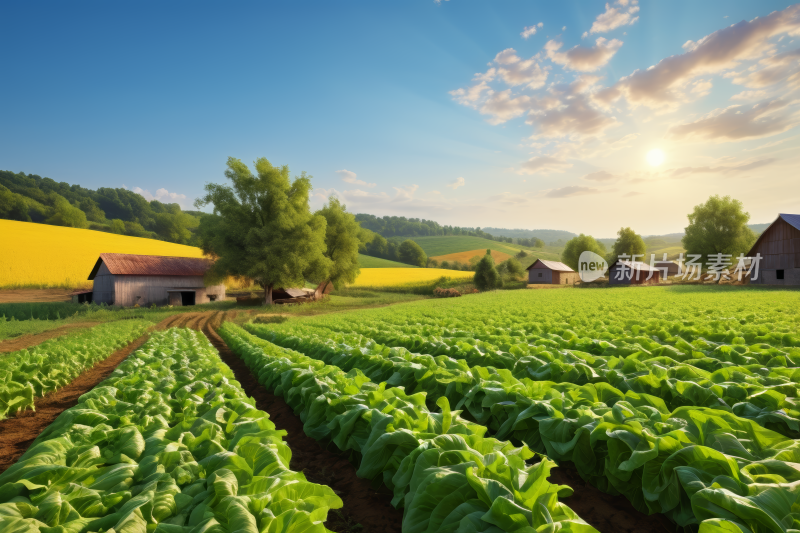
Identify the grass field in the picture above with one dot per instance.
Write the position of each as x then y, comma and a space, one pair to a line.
366, 261
464, 257
393, 277
56, 256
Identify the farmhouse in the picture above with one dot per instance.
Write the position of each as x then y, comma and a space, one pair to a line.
779, 247
127, 280
622, 272
668, 268
551, 273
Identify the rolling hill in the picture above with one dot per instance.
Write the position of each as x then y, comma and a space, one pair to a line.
366, 261
451, 244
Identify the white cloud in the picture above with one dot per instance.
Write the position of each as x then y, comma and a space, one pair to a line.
574, 118
721, 169
664, 85
350, 177
572, 190
582, 58
601, 175
517, 71
502, 106
736, 123
544, 165
162, 195
530, 30
621, 14
458, 182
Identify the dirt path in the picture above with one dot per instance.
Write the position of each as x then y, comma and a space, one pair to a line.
8, 296
362, 504
17, 433
32, 339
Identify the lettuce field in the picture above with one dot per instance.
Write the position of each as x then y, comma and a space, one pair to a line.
681, 400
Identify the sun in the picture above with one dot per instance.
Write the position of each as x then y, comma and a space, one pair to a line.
655, 157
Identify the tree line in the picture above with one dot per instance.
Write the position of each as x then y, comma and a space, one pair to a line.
718, 226
32, 198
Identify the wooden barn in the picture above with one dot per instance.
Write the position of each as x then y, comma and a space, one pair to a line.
128, 280
551, 273
622, 272
779, 247
668, 269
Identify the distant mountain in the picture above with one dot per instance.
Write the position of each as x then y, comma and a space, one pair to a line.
547, 235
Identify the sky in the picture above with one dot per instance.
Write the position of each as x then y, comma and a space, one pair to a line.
583, 116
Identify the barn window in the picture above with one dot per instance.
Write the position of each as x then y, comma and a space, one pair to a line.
779, 274
540, 274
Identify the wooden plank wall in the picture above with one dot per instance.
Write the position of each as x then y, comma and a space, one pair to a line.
153, 289
533, 276
779, 247
103, 287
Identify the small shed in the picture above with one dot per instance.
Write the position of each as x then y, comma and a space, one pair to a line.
623, 272
668, 269
779, 247
128, 280
551, 273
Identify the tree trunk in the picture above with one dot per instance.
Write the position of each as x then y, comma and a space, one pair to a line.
268, 295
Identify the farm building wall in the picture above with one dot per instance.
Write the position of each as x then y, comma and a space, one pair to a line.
103, 287
147, 290
629, 277
540, 275
779, 247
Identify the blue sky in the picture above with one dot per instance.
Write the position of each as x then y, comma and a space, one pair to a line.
383, 103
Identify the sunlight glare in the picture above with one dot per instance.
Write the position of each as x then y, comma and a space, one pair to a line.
655, 157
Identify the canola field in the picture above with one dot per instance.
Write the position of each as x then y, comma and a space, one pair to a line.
393, 277
682, 399
40, 255
464, 257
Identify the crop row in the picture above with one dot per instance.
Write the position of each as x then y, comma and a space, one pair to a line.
443, 470
693, 464
29, 374
168, 443
758, 381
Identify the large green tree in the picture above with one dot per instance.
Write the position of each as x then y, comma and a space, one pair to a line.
576, 246
628, 243
342, 239
411, 253
487, 277
718, 226
262, 228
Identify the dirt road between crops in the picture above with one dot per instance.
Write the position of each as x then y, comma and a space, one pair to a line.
9, 296
32, 339
362, 504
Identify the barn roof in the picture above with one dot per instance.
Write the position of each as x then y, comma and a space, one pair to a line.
792, 220
634, 265
552, 265
151, 265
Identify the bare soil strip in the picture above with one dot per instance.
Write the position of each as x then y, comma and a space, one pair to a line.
32, 339
19, 432
362, 503
34, 295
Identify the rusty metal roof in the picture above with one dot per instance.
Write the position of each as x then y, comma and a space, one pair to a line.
151, 265
552, 265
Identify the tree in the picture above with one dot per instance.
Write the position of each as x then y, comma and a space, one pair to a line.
628, 242
444, 264
486, 276
718, 226
411, 253
262, 228
378, 247
576, 246
118, 227
511, 269
522, 254
537, 243
433, 263
342, 239
66, 214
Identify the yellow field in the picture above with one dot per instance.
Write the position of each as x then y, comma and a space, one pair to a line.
54, 256
464, 257
390, 277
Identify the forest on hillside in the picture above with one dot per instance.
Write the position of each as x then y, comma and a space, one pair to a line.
32, 198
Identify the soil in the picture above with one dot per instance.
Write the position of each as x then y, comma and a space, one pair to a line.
19, 432
606, 512
8, 296
26, 341
363, 504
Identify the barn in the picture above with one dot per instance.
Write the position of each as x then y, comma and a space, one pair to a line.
128, 280
668, 269
551, 273
622, 272
779, 247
